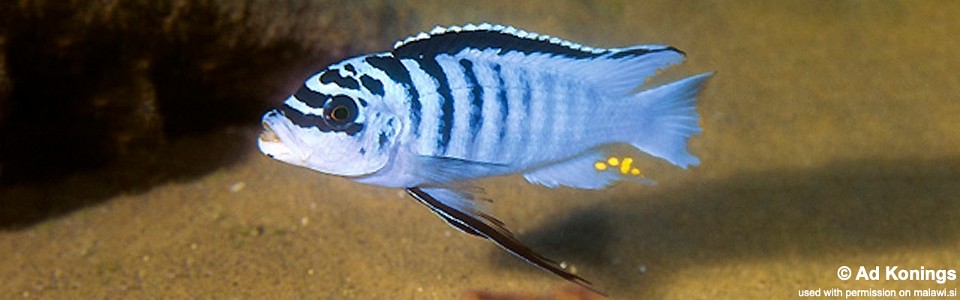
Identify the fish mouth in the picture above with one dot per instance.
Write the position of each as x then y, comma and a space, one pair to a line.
268, 135
271, 139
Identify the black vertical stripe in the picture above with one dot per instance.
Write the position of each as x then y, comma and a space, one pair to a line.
433, 69
303, 120
476, 101
333, 76
526, 100
398, 73
350, 69
374, 86
526, 103
310, 97
502, 98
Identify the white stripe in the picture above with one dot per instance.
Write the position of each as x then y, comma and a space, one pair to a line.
460, 134
486, 146
426, 143
390, 87
516, 117
295, 103
556, 130
539, 118
569, 114
314, 84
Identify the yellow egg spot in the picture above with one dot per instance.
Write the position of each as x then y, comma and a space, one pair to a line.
613, 161
625, 167
600, 166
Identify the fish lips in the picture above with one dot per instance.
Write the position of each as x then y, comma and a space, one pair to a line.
275, 133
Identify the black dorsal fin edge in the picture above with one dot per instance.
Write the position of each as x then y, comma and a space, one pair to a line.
496, 28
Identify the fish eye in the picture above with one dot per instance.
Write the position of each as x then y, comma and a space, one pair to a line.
340, 113
340, 110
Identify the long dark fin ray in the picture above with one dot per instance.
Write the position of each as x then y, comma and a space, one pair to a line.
487, 226
461, 226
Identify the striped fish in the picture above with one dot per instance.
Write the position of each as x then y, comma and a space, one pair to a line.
462, 103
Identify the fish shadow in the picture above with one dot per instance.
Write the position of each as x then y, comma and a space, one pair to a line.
586, 236
862, 206
27, 203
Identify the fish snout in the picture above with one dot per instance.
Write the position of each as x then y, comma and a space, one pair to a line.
268, 134
269, 140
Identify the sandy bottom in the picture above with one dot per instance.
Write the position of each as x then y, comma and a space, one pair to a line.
831, 139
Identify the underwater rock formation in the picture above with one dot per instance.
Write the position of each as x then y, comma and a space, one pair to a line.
84, 82
5, 84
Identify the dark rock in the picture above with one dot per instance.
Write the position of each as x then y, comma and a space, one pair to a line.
5, 85
83, 83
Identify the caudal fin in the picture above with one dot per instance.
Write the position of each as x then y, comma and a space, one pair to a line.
668, 117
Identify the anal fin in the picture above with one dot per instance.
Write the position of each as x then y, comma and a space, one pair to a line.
580, 172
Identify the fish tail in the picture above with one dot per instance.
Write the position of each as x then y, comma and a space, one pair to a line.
669, 117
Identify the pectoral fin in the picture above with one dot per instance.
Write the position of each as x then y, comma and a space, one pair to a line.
441, 169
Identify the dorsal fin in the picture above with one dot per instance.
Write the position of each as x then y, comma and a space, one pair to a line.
619, 70
452, 40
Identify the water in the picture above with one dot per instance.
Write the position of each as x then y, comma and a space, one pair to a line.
831, 139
